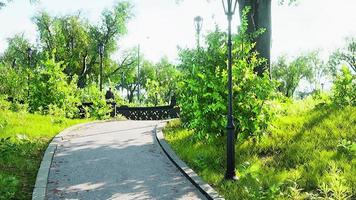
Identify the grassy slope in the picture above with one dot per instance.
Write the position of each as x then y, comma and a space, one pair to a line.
20, 158
309, 153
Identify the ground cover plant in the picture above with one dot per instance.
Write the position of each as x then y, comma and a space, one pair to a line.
308, 152
23, 139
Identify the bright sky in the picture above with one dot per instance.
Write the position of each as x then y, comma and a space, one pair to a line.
159, 26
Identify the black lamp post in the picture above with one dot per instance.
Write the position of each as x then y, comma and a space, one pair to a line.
198, 26
229, 8
101, 53
138, 74
29, 57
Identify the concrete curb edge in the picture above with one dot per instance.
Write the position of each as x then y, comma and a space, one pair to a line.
39, 191
202, 186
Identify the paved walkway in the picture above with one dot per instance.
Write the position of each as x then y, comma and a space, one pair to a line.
115, 160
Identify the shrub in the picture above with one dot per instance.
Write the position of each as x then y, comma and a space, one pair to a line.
100, 109
4, 105
344, 90
51, 86
13, 82
203, 93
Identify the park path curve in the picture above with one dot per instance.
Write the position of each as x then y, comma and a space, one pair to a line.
115, 160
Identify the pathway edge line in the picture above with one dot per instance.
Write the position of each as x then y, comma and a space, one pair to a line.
40, 188
193, 177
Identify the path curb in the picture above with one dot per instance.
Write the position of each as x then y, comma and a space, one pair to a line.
202, 186
39, 191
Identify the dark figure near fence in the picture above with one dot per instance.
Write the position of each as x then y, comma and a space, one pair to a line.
110, 99
109, 96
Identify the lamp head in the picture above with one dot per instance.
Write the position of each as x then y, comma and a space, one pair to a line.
229, 6
29, 52
198, 23
101, 48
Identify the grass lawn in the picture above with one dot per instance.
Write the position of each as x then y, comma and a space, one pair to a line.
309, 152
21, 154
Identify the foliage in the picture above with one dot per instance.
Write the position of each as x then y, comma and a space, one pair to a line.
100, 109
16, 54
203, 95
65, 56
8, 186
13, 82
23, 140
154, 92
308, 153
4, 104
289, 74
73, 40
344, 90
50, 87
319, 69
163, 83
345, 56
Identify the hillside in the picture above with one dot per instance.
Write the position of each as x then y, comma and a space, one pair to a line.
308, 152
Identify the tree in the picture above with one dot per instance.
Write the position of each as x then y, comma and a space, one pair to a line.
16, 54
319, 68
18, 66
259, 17
124, 73
289, 74
346, 55
164, 83
73, 40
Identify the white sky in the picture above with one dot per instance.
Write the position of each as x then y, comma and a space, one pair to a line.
159, 26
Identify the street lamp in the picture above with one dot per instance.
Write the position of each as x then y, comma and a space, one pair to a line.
229, 8
138, 74
101, 53
198, 26
29, 57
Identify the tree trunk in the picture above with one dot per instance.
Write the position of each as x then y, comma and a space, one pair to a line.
259, 17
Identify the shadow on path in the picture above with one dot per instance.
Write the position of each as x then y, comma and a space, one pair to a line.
122, 164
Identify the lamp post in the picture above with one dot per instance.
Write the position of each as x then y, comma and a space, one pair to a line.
229, 8
101, 53
29, 57
138, 74
198, 26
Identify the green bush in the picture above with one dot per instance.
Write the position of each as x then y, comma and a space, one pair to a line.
4, 104
13, 82
100, 109
203, 91
344, 89
50, 86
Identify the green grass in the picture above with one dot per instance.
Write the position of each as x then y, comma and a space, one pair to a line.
21, 154
308, 153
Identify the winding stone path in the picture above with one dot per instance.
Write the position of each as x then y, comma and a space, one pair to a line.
115, 160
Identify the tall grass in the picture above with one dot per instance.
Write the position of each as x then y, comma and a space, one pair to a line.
23, 140
309, 152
